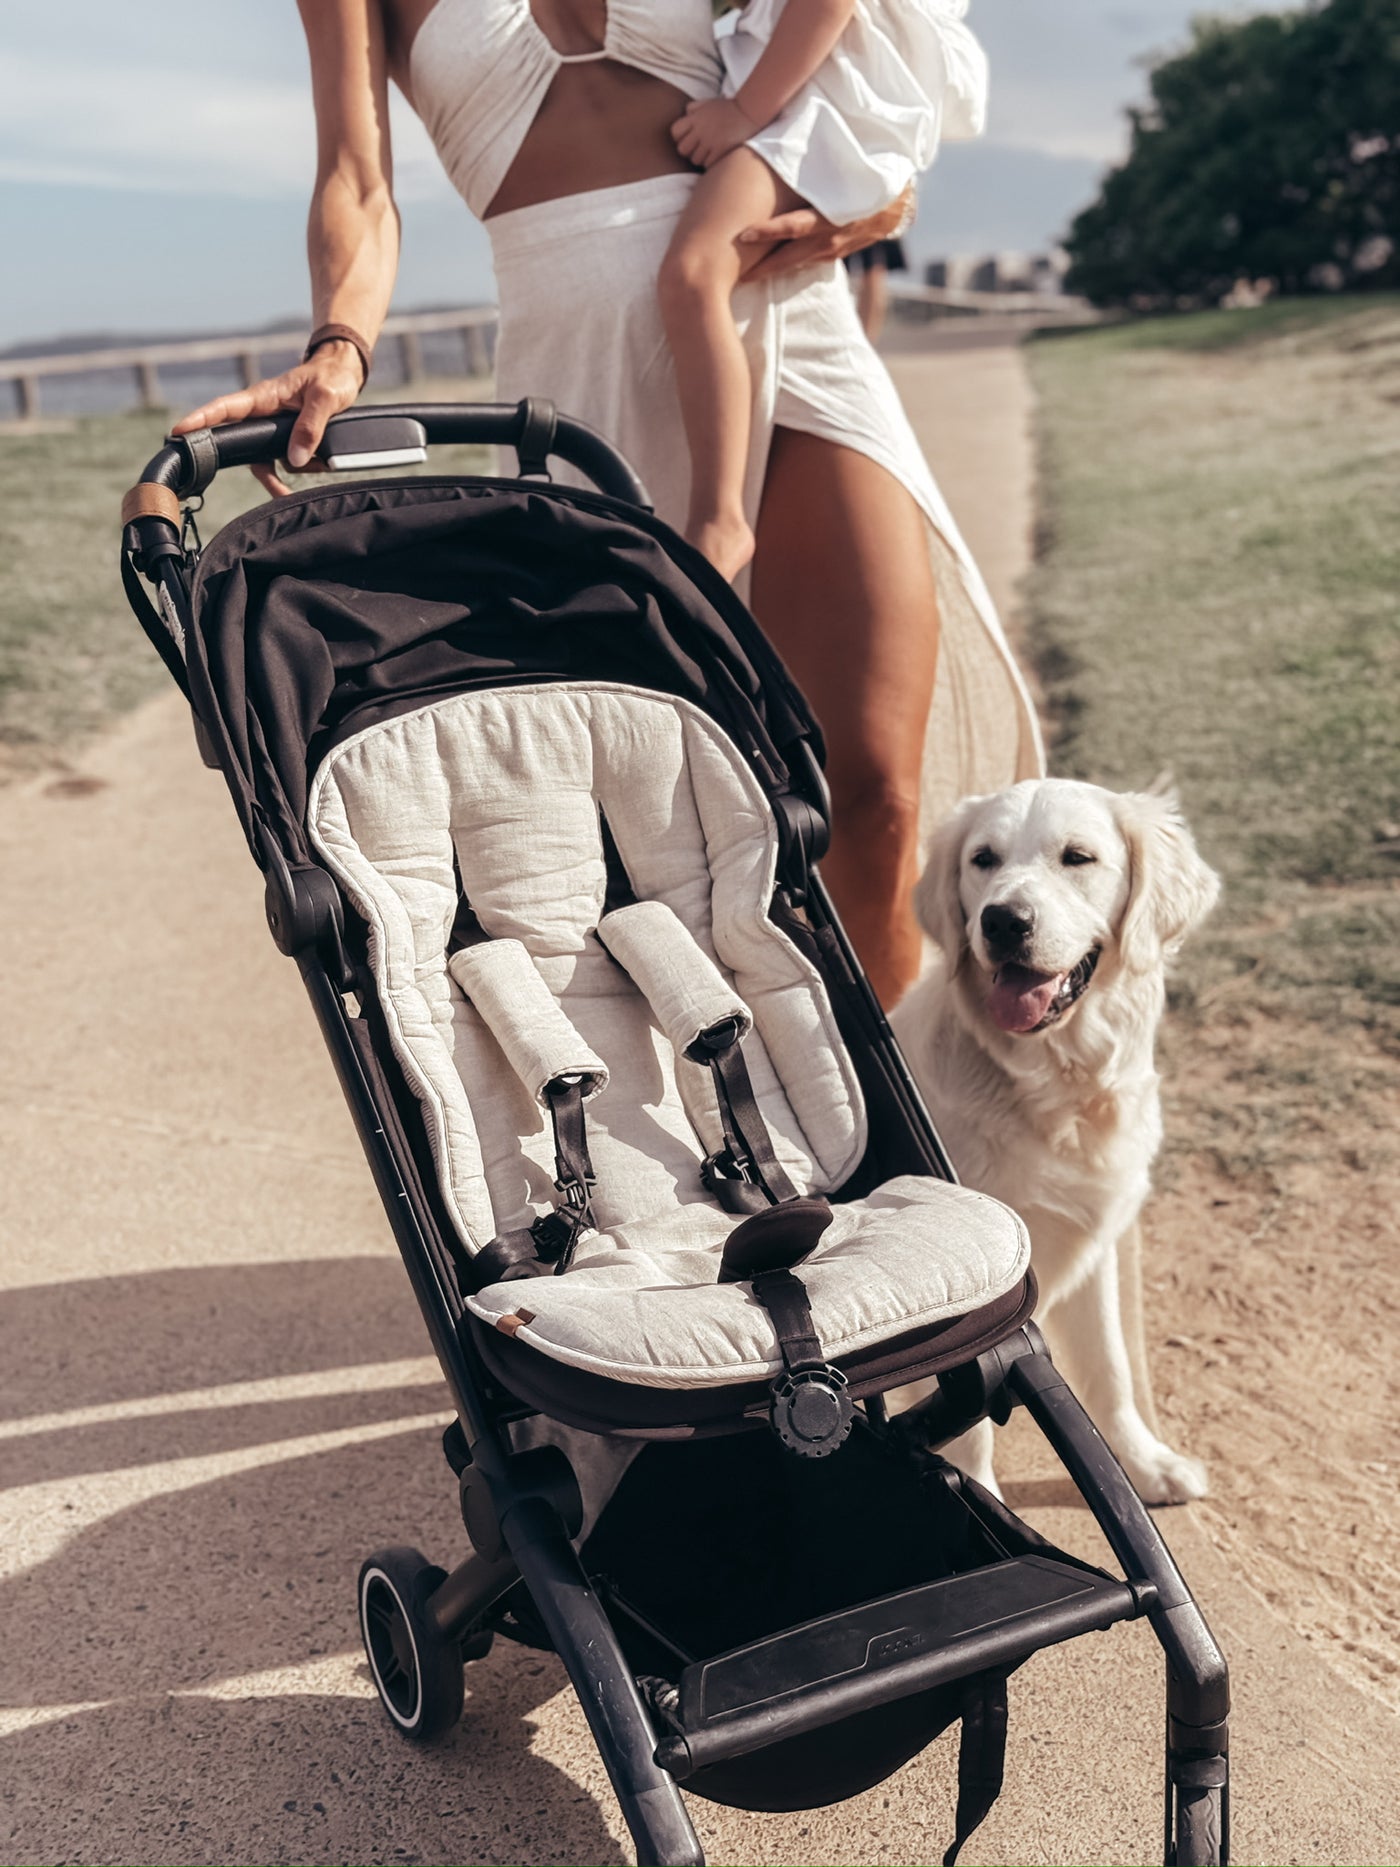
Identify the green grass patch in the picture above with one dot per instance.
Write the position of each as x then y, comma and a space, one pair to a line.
1218, 594
72, 656
1206, 331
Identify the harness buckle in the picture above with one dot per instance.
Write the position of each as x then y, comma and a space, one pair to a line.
729, 1177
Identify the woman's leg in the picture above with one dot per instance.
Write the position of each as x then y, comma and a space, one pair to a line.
697, 281
873, 298
843, 584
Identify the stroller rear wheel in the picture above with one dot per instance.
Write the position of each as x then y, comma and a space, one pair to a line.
1199, 1828
417, 1672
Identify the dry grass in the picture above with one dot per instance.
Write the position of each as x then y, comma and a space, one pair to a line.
72, 656
1218, 594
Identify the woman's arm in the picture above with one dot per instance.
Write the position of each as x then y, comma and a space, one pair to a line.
352, 231
804, 37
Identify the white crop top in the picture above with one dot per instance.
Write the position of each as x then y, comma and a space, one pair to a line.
479, 71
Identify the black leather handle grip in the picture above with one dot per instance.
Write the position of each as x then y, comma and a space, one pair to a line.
188, 462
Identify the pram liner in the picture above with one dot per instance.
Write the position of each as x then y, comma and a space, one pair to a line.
539, 810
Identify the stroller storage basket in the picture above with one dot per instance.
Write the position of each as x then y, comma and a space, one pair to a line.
540, 813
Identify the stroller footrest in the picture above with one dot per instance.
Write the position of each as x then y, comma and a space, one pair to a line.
831, 1668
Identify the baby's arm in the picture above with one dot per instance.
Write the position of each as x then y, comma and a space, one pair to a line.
804, 37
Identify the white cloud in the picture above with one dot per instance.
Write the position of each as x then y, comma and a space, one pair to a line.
177, 131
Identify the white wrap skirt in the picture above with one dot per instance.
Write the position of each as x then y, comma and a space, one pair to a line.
580, 324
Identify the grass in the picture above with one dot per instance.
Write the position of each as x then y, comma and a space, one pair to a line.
1218, 594
72, 656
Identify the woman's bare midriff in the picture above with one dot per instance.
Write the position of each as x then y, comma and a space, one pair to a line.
600, 125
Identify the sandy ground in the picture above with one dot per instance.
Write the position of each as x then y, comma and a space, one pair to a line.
216, 1397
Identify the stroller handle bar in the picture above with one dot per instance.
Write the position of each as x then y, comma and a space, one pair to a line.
363, 439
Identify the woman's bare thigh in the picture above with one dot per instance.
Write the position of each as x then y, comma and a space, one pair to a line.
843, 584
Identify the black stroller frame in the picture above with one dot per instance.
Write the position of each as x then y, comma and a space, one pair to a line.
729, 1723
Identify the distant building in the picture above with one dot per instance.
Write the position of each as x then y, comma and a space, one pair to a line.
1042, 273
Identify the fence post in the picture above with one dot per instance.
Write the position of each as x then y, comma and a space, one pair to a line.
411, 351
148, 381
474, 343
28, 397
248, 367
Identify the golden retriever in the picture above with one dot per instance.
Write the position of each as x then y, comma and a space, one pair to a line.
1056, 907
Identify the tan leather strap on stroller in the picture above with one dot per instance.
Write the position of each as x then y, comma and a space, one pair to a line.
148, 501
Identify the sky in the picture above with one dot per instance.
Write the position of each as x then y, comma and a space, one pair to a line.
156, 156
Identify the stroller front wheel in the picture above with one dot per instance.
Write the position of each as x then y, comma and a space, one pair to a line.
417, 1672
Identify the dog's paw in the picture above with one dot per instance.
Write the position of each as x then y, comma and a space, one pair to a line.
1162, 1476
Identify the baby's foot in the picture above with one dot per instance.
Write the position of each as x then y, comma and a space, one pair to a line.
726, 540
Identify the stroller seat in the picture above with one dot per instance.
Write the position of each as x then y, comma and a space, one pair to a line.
506, 823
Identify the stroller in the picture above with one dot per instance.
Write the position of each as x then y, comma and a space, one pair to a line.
539, 813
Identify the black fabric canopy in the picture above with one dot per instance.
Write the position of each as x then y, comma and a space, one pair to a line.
320, 614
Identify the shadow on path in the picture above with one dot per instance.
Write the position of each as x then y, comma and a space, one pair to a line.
156, 1561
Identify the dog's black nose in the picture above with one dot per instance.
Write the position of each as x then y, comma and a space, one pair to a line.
1005, 930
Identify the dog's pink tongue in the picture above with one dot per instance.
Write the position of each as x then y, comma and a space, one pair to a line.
1020, 998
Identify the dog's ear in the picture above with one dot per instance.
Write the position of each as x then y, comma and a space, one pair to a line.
937, 901
1171, 890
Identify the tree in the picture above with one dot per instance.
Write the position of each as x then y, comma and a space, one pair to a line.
1270, 150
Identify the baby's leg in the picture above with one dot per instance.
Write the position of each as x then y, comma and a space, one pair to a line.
698, 277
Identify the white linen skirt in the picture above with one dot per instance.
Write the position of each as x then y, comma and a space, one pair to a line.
579, 323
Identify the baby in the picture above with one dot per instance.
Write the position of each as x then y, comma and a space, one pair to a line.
833, 104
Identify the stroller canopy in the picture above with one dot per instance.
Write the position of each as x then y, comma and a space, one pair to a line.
323, 613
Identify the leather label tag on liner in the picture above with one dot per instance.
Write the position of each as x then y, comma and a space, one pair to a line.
509, 1324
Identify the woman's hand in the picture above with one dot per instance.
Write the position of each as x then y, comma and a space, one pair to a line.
330, 380
805, 238
710, 128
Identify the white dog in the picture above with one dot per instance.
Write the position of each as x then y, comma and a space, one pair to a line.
1056, 906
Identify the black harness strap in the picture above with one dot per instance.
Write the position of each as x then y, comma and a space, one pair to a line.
467, 930
981, 1756
619, 892
509, 1256
547, 1245
785, 1299
809, 1408
746, 1175
557, 1233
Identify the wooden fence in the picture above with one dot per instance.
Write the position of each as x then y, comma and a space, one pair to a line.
936, 301
476, 329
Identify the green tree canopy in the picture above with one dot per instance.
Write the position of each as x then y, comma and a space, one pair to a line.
1270, 150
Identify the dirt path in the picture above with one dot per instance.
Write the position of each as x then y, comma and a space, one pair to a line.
216, 1397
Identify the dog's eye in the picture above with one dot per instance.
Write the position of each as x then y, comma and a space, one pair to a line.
1076, 858
985, 858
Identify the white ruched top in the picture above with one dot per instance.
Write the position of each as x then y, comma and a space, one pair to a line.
479, 71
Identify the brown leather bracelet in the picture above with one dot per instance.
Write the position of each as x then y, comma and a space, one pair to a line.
330, 333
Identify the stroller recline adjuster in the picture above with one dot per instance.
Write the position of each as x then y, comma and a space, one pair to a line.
811, 1410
